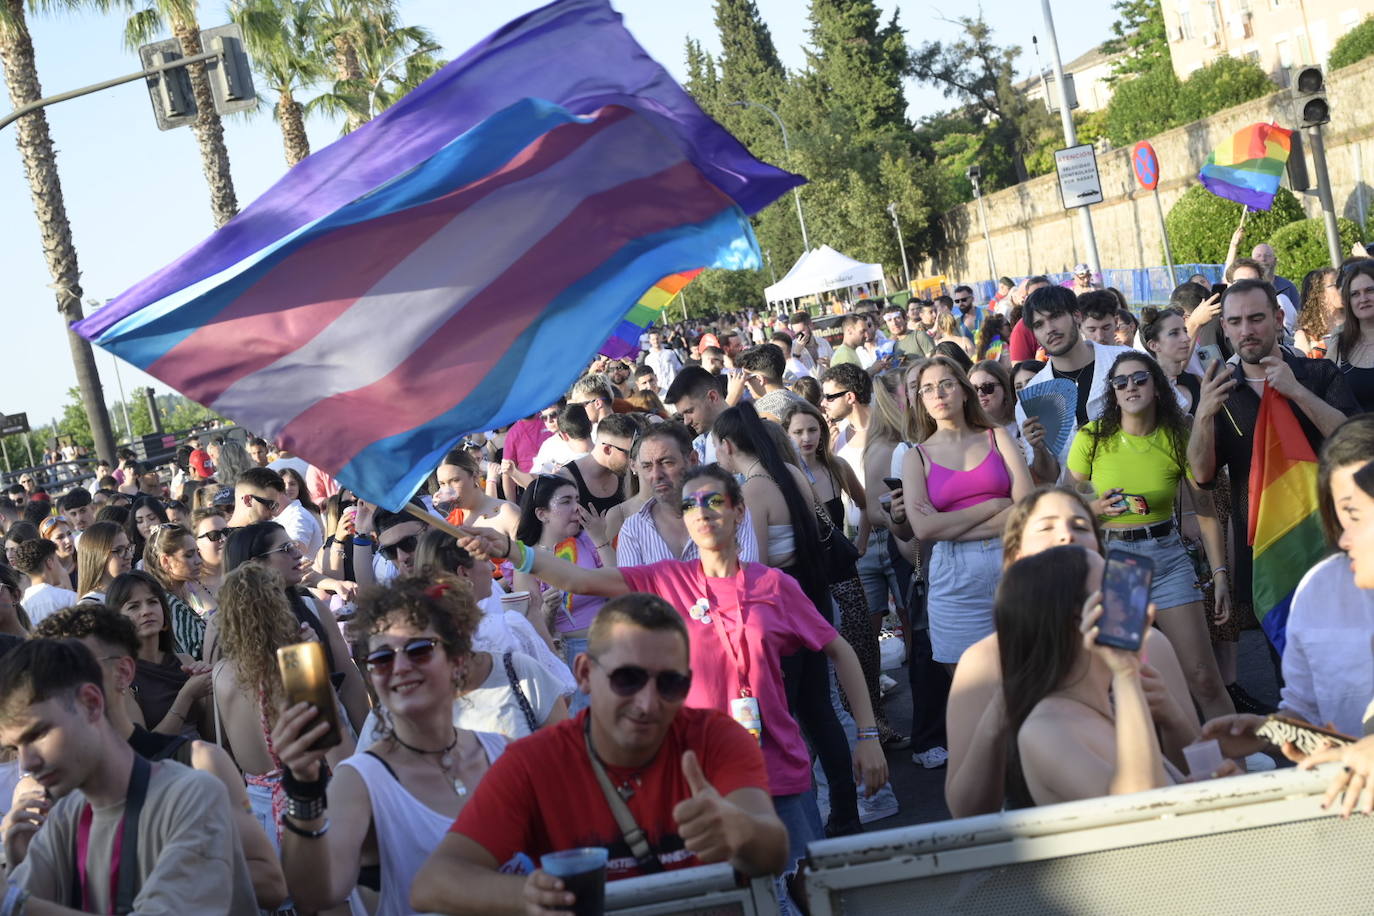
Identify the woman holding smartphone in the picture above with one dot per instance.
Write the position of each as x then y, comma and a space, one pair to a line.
389, 805
1135, 457
1078, 724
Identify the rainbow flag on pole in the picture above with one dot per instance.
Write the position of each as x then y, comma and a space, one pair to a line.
1285, 527
451, 265
624, 341
1247, 167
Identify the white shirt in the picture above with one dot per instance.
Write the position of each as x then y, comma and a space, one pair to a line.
705, 448
794, 370
42, 600
554, 452
665, 364
300, 523
494, 707
300, 465
501, 630
1328, 662
1103, 357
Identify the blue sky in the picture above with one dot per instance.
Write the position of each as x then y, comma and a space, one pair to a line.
136, 197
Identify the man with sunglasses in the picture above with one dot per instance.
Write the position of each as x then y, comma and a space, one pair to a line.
257, 497
571, 439
600, 473
692, 779
970, 316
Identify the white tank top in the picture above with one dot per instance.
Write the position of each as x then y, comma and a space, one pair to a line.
407, 829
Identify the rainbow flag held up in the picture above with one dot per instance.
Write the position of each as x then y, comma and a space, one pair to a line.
456, 261
1285, 527
1247, 167
624, 340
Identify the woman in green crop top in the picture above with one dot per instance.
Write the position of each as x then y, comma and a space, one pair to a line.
1135, 456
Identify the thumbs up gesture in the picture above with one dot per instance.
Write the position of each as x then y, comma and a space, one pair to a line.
709, 825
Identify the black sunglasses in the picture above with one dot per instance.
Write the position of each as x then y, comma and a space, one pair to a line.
835, 394
406, 543
629, 680
986, 388
1136, 378
269, 503
419, 651
214, 535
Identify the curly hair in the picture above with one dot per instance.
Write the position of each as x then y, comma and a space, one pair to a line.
91, 620
438, 601
1312, 311
1168, 414
254, 621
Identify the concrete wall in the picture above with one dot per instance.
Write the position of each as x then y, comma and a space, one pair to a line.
1031, 232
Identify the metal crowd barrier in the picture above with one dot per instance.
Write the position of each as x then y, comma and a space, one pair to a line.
706, 891
1251, 844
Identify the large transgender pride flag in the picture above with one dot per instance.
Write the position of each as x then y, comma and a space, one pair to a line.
453, 264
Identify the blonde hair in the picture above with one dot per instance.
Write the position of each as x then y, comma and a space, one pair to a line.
254, 621
947, 324
974, 415
888, 423
163, 540
93, 554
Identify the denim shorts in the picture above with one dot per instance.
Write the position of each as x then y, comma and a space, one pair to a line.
1175, 582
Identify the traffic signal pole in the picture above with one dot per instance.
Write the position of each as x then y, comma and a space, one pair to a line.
31, 107
1333, 234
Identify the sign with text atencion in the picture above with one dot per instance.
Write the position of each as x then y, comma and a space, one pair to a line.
1079, 183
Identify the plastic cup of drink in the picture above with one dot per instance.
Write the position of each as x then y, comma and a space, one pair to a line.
583, 873
1204, 758
515, 601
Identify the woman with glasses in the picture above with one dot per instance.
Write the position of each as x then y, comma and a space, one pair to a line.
254, 621
102, 554
267, 544
13, 620
743, 618
210, 527
172, 557
551, 520
390, 805
1353, 348
170, 688
958, 485
1135, 457
57, 529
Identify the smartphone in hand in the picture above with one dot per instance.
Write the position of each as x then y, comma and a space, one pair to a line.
1125, 600
305, 677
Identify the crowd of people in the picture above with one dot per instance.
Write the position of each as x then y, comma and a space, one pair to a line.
651, 617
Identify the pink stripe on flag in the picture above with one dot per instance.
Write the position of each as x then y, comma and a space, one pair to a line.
313, 286
453, 361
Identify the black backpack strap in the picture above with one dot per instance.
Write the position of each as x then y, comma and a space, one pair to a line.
520, 697
128, 850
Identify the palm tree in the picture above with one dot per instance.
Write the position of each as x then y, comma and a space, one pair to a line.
365, 43
40, 166
150, 18
281, 40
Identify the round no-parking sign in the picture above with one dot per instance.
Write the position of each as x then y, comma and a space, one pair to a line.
1145, 164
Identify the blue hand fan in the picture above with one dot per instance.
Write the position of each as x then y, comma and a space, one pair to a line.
1055, 405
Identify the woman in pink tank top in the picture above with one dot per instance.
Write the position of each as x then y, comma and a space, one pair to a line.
958, 485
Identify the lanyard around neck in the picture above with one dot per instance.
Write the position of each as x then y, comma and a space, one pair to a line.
739, 654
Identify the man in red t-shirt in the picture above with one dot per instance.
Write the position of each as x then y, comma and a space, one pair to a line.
694, 780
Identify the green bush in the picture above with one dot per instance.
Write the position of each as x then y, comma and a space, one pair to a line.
1225, 82
1301, 246
1200, 225
1142, 107
1355, 45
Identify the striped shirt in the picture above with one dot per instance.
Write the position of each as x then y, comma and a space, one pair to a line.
640, 544
188, 628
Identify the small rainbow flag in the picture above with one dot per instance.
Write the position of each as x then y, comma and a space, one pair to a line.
624, 341
1247, 167
1285, 522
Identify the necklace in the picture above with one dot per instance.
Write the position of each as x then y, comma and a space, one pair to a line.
445, 761
1074, 376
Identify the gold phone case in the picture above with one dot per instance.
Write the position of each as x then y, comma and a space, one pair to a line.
305, 677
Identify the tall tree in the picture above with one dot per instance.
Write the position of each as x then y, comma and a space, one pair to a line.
40, 167
980, 75
366, 46
1138, 34
280, 36
148, 19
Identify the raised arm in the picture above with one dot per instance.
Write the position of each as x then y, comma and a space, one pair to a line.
486, 542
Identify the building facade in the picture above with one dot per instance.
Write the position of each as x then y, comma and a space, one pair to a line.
1279, 35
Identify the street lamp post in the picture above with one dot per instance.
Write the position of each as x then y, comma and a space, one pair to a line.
901, 246
786, 148
975, 178
123, 404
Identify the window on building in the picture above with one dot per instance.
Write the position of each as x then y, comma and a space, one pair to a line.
1304, 49
1185, 24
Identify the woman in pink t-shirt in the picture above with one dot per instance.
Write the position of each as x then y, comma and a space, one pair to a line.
744, 618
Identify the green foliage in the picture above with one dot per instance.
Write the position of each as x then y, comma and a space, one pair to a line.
1156, 101
73, 422
715, 291
1301, 246
1355, 45
1225, 82
1139, 33
1200, 225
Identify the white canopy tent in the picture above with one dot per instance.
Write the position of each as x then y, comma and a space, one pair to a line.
821, 270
